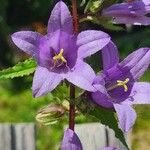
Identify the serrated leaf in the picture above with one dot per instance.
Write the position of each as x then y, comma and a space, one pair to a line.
105, 116
21, 69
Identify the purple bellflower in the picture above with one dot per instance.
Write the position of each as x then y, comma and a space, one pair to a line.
60, 53
130, 12
71, 141
118, 87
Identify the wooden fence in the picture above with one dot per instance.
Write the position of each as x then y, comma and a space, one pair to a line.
21, 136
17, 136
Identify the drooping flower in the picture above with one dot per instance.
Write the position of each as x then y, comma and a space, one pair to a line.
60, 53
118, 87
133, 12
71, 141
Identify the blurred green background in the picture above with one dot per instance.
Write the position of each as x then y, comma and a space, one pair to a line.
16, 102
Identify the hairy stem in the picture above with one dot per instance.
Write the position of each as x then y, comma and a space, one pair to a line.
72, 87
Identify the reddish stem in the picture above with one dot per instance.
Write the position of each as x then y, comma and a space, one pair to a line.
72, 87
72, 108
75, 16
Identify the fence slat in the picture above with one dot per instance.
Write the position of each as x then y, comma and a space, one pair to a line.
5, 137
113, 141
25, 136
19, 136
95, 136
92, 136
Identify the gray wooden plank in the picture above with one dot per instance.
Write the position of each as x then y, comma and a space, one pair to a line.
95, 136
113, 141
5, 137
92, 135
24, 135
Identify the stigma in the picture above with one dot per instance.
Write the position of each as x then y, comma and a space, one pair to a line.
120, 83
59, 59
123, 83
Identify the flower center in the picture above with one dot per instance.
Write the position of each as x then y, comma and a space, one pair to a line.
119, 84
59, 59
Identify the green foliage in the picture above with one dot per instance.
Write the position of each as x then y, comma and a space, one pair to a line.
93, 6
83, 3
105, 116
21, 69
104, 22
107, 3
108, 24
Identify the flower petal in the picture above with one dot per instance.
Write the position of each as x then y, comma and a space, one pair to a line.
137, 62
27, 41
82, 76
90, 42
71, 141
141, 93
44, 81
60, 19
110, 55
129, 13
126, 116
109, 148
101, 98
140, 20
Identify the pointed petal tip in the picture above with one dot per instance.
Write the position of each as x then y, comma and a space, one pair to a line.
60, 19
126, 116
71, 141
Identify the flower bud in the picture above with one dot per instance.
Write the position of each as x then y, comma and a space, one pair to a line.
50, 114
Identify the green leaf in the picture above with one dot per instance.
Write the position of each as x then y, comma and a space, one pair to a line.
21, 69
93, 6
105, 116
107, 3
103, 21
107, 23
83, 3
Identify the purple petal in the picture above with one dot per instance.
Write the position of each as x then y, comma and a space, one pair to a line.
110, 55
129, 13
102, 99
116, 10
71, 141
60, 19
126, 116
44, 81
141, 20
100, 96
82, 76
141, 93
109, 148
91, 41
27, 41
146, 2
137, 62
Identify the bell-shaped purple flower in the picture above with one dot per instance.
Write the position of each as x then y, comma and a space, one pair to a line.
60, 53
117, 85
71, 141
133, 12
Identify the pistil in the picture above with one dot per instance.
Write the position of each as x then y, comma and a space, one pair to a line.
59, 57
119, 84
